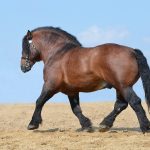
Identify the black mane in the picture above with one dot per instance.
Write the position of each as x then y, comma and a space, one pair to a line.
72, 38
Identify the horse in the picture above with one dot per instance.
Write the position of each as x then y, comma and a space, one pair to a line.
71, 68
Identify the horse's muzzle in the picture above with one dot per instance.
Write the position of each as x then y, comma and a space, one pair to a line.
25, 68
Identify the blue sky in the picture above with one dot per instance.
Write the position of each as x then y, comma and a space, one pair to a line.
92, 22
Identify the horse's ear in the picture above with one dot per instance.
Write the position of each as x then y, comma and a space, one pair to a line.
29, 35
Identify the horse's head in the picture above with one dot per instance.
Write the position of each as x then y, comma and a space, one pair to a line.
29, 53
44, 42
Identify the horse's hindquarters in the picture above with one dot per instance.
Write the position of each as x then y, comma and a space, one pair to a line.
117, 65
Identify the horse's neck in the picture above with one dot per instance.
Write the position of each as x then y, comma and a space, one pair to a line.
50, 52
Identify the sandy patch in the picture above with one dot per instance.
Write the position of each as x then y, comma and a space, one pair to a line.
59, 129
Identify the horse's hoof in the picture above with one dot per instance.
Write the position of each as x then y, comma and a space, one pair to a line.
88, 129
145, 131
85, 129
32, 127
103, 128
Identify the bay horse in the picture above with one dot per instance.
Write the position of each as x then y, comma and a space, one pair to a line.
70, 68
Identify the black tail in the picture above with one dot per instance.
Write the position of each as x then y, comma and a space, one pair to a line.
144, 71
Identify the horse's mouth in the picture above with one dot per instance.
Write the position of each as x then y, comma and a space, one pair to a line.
25, 69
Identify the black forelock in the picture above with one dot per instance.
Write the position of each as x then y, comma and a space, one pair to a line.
25, 46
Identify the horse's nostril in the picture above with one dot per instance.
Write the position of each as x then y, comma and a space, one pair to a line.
23, 69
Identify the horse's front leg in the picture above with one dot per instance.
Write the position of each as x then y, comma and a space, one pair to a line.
46, 94
75, 106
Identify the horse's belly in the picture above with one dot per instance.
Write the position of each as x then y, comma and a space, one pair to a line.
84, 87
94, 87
101, 85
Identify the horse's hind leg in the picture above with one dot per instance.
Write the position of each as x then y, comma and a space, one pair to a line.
135, 102
108, 121
75, 106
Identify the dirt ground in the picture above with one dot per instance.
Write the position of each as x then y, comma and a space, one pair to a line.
59, 129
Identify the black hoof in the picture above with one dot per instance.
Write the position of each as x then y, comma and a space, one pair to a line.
32, 127
145, 130
103, 128
88, 129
